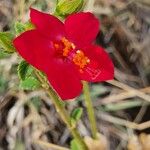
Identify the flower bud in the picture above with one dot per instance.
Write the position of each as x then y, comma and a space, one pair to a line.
67, 7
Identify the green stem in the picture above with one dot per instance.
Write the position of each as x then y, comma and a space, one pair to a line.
90, 109
61, 111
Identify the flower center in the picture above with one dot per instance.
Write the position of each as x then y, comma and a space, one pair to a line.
80, 60
68, 46
69, 51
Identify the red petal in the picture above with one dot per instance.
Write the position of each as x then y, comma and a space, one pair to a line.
100, 68
82, 28
47, 24
35, 49
64, 79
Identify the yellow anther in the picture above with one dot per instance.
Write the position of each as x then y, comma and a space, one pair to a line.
78, 51
73, 46
68, 50
88, 61
80, 59
68, 46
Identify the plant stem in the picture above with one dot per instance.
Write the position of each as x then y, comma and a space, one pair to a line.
90, 109
61, 111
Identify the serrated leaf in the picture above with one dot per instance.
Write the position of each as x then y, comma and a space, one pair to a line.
24, 70
30, 83
6, 39
76, 115
22, 27
75, 145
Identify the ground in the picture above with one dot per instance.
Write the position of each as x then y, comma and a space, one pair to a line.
121, 105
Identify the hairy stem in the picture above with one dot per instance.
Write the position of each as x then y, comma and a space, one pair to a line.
90, 109
61, 110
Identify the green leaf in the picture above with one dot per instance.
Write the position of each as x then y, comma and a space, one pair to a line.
57, 1
65, 7
6, 39
30, 83
24, 70
75, 145
22, 27
76, 115
3, 54
29, 25
19, 28
28, 80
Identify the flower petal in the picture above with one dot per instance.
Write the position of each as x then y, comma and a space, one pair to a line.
64, 79
35, 49
100, 68
82, 28
47, 24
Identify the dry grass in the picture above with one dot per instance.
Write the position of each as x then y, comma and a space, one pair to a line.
28, 119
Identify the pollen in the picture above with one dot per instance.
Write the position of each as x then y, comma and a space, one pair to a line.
68, 46
71, 53
81, 60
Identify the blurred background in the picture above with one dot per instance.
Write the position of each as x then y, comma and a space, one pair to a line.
121, 106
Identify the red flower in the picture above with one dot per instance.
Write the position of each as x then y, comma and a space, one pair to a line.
65, 51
